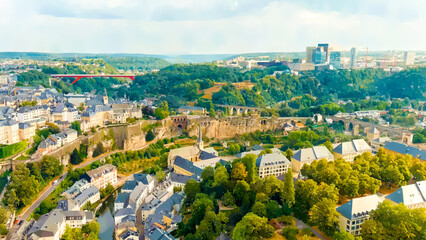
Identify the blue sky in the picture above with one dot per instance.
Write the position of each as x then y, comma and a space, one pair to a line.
209, 26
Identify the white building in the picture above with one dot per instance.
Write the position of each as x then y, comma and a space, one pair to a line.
275, 164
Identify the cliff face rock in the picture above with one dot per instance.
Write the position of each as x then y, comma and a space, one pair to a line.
231, 126
130, 137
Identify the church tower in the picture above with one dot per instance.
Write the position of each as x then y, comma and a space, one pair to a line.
200, 142
105, 98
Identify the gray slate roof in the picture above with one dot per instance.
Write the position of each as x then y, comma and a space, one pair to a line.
405, 149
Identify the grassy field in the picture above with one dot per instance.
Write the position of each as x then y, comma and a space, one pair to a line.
208, 93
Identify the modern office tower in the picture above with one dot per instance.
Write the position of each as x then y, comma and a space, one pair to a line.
319, 56
327, 49
354, 57
309, 50
336, 59
409, 58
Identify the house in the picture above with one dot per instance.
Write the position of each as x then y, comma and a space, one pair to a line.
179, 180
275, 164
355, 212
26, 131
90, 195
76, 219
129, 186
49, 226
137, 196
194, 154
349, 150
308, 155
186, 167
379, 142
288, 127
412, 196
158, 234
97, 115
166, 214
373, 133
191, 110
9, 131
129, 234
68, 205
400, 148
124, 215
102, 176
126, 231
145, 179
121, 201
55, 141
27, 113
76, 188
255, 152
64, 113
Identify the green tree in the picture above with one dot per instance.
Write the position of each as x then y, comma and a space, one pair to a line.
221, 176
50, 167
76, 126
395, 222
23, 187
289, 192
252, 227
249, 162
212, 113
325, 216
75, 157
343, 235
238, 172
289, 154
240, 191
98, 150
208, 173
3, 215
228, 199
259, 209
211, 226
150, 135
192, 187
162, 111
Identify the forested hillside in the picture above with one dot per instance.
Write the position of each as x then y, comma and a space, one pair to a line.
180, 83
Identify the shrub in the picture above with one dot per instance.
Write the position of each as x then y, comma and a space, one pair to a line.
290, 232
287, 220
308, 231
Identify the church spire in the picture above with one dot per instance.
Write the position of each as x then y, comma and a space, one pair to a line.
200, 140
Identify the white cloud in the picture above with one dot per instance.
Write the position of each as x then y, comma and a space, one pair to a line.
201, 26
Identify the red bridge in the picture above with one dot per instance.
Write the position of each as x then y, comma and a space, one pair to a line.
80, 76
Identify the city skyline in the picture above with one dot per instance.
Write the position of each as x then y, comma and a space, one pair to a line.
208, 27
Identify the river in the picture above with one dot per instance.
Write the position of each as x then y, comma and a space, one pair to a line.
106, 219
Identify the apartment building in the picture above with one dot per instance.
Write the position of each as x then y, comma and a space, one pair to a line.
272, 164
355, 212
101, 176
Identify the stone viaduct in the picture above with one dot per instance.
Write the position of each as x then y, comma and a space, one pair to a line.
354, 124
239, 109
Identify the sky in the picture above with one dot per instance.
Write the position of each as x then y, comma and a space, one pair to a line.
209, 26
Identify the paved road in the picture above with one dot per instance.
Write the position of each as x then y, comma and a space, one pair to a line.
301, 225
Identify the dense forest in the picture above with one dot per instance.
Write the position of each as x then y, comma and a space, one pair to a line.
180, 83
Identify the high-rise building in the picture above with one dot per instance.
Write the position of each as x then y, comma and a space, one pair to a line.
336, 59
327, 49
409, 58
319, 56
354, 57
309, 50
